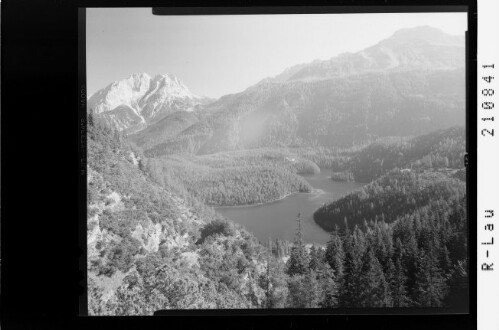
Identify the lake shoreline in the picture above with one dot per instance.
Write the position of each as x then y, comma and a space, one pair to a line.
280, 198
275, 200
277, 217
258, 204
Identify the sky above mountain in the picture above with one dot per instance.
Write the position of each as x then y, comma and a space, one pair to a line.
218, 55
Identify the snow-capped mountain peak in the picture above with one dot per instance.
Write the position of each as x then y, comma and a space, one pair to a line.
135, 102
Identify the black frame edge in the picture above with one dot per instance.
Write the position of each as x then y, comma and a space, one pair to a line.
82, 163
464, 6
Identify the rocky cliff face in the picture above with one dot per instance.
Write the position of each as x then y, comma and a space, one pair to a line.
136, 102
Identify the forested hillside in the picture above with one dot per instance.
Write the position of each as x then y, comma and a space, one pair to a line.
407, 174
389, 197
442, 149
408, 227
265, 174
236, 178
418, 260
164, 129
149, 248
337, 112
152, 245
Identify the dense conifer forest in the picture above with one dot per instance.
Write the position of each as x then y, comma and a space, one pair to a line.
392, 195
236, 178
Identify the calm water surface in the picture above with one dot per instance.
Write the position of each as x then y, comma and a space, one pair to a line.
278, 219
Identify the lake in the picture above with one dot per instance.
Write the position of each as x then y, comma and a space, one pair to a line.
278, 219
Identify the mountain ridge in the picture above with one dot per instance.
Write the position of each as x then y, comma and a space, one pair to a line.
399, 52
407, 84
433, 36
133, 103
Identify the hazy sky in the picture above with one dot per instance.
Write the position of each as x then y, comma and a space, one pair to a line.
217, 55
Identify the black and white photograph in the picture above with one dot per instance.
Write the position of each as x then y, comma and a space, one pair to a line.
278, 161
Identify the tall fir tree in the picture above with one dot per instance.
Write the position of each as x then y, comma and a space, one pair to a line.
374, 289
409, 260
314, 262
298, 262
267, 289
430, 286
279, 286
312, 289
398, 278
297, 295
329, 287
350, 289
274, 283
335, 256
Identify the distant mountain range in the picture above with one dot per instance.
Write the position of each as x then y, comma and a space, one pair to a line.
422, 48
411, 83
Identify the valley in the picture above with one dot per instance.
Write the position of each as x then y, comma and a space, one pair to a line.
338, 183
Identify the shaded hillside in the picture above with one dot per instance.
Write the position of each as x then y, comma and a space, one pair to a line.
443, 149
337, 112
419, 260
164, 129
391, 196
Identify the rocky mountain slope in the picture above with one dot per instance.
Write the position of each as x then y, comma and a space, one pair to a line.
136, 102
152, 246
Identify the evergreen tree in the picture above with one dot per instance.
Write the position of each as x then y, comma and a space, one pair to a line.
445, 262
329, 287
267, 289
314, 263
350, 289
397, 284
297, 295
409, 260
279, 286
312, 289
335, 256
274, 283
430, 286
398, 278
374, 290
298, 262
321, 255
